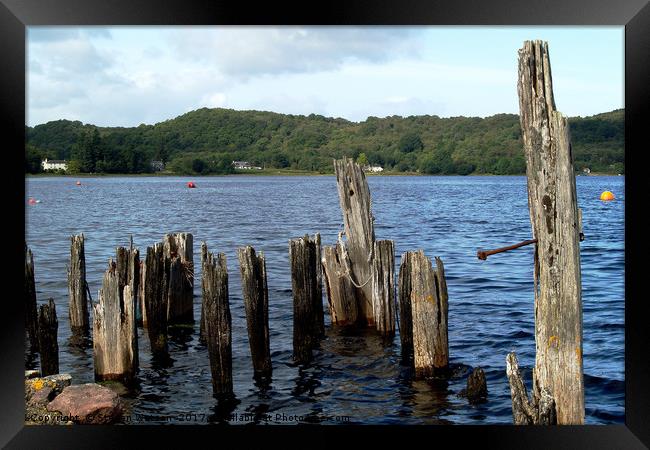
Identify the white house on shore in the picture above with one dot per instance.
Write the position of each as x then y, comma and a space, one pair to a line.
54, 164
374, 169
244, 165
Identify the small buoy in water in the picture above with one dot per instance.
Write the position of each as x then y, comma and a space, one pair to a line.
78, 183
191, 184
31, 201
607, 196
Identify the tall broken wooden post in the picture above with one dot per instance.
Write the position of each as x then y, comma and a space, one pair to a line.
552, 204
31, 310
423, 290
179, 249
218, 326
48, 327
256, 303
354, 199
77, 287
383, 287
115, 340
156, 285
307, 296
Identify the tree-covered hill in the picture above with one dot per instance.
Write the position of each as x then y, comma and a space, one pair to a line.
208, 140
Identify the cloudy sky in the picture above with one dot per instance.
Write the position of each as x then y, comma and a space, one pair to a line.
125, 76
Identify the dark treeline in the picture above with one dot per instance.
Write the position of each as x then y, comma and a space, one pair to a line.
206, 141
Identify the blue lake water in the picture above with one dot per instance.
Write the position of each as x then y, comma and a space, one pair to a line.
353, 379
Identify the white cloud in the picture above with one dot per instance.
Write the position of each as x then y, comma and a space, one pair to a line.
214, 100
253, 51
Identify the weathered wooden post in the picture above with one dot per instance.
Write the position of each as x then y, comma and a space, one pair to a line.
307, 297
48, 327
204, 258
115, 340
383, 287
340, 291
425, 289
355, 202
540, 410
128, 270
77, 290
178, 247
218, 328
142, 319
405, 308
552, 203
31, 311
256, 302
318, 298
155, 298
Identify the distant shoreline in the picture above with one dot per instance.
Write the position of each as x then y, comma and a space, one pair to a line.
289, 173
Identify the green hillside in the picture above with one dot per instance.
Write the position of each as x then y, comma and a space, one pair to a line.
207, 141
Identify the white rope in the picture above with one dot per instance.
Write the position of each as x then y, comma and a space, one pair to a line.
345, 258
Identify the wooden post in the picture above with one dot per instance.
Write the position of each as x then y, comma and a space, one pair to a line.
218, 328
128, 269
204, 258
355, 202
303, 258
476, 386
115, 340
340, 291
318, 298
428, 301
405, 308
77, 288
540, 411
141, 294
179, 249
256, 302
48, 327
31, 311
383, 287
155, 298
552, 203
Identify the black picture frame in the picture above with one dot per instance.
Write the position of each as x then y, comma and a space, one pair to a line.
15, 15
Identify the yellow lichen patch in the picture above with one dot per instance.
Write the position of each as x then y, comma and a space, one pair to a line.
553, 339
430, 298
578, 354
38, 385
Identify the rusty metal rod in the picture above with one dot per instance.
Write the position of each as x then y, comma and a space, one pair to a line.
483, 254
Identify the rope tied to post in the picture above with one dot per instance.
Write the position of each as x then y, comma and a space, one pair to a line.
346, 262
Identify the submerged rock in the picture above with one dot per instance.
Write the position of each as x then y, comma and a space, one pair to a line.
88, 404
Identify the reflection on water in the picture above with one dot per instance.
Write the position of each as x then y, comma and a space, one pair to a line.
352, 378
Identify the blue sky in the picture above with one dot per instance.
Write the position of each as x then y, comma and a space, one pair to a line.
125, 76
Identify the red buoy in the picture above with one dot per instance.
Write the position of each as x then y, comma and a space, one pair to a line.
191, 184
31, 201
78, 183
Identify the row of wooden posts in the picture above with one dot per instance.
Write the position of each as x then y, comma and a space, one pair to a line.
161, 287
358, 277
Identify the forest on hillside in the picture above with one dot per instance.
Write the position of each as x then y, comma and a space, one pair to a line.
206, 141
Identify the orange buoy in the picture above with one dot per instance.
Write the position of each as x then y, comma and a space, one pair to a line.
78, 183
191, 184
607, 196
